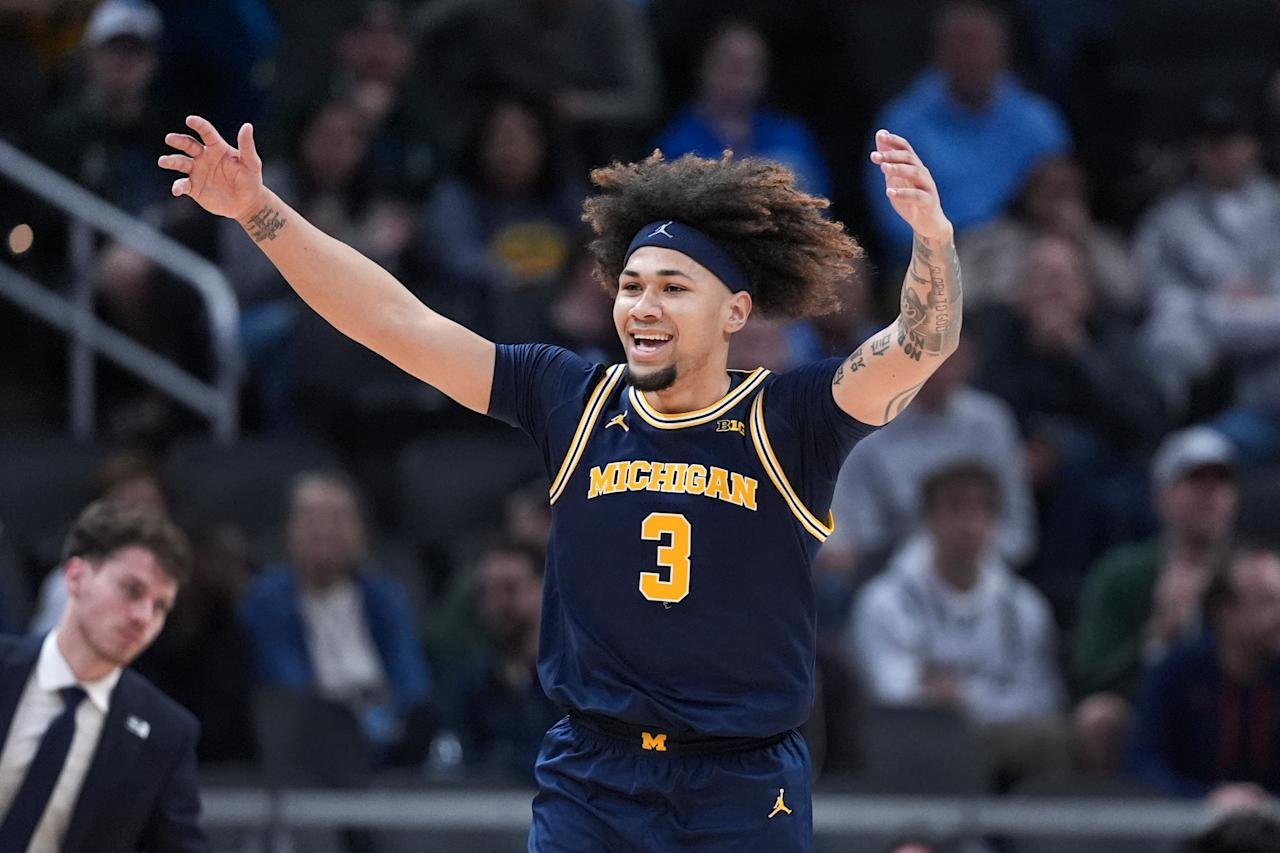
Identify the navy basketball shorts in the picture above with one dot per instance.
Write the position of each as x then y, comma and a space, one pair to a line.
604, 792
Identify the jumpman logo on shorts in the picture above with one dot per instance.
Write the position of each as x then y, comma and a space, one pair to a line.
662, 229
780, 806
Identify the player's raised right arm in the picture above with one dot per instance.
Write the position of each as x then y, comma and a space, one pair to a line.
358, 297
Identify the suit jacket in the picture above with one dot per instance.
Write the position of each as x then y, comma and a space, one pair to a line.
140, 793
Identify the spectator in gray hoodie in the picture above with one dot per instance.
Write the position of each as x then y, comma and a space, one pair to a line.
949, 623
1210, 252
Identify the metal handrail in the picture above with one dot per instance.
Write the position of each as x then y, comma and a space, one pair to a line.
833, 814
220, 400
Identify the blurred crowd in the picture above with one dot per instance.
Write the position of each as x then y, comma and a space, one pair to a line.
1068, 543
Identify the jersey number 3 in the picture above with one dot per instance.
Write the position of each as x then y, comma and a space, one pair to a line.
673, 555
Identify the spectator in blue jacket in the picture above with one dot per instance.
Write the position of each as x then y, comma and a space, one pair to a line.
970, 119
328, 623
1207, 720
728, 112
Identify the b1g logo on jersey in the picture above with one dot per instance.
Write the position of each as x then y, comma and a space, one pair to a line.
731, 426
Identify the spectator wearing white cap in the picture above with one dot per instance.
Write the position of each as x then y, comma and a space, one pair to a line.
1142, 597
114, 19
105, 136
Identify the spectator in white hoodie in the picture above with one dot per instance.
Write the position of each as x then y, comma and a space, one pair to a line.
948, 622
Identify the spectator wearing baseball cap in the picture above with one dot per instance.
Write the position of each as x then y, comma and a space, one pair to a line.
134, 20
104, 136
1141, 597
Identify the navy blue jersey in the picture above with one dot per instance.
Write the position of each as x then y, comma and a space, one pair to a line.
677, 588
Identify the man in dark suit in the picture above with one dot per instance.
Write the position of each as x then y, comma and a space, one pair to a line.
95, 758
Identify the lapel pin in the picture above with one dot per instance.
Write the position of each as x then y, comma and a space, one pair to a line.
141, 728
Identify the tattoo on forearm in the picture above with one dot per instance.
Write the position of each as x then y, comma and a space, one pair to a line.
265, 224
900, 401
929, 322
922, 250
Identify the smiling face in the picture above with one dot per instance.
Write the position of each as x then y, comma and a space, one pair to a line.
674, 318
118, 604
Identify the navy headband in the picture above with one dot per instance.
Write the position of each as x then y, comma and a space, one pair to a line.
690, 241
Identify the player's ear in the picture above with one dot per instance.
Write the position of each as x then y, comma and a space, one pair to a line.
740, 305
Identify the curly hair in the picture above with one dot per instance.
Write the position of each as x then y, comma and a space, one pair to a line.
792, 254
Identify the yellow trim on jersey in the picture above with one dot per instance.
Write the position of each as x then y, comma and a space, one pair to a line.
590, 414
681, 420
760, 437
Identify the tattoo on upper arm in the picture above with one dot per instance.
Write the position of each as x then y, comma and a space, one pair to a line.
265, 224
911, 341
900, 401
881, 344
854, 362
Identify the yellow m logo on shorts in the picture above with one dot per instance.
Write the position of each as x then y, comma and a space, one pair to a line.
656, 742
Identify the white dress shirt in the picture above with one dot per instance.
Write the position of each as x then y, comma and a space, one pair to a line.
39, 706
346, 661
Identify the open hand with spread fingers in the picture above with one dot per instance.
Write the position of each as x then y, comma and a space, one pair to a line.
223, 180
909, 186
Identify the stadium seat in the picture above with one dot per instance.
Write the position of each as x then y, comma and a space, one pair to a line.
452, 484
47, 481
919, 750
304, 740
245, 484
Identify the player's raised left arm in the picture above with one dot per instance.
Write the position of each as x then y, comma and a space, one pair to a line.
883, 375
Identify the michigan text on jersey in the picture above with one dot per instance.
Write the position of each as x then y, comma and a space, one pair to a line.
639, 475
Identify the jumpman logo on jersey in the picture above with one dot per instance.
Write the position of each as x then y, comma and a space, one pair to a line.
619, 420
662, 229
780, 806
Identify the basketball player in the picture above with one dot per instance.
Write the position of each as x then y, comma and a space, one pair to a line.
688, 500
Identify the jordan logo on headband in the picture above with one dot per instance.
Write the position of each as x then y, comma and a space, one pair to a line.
688, 240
